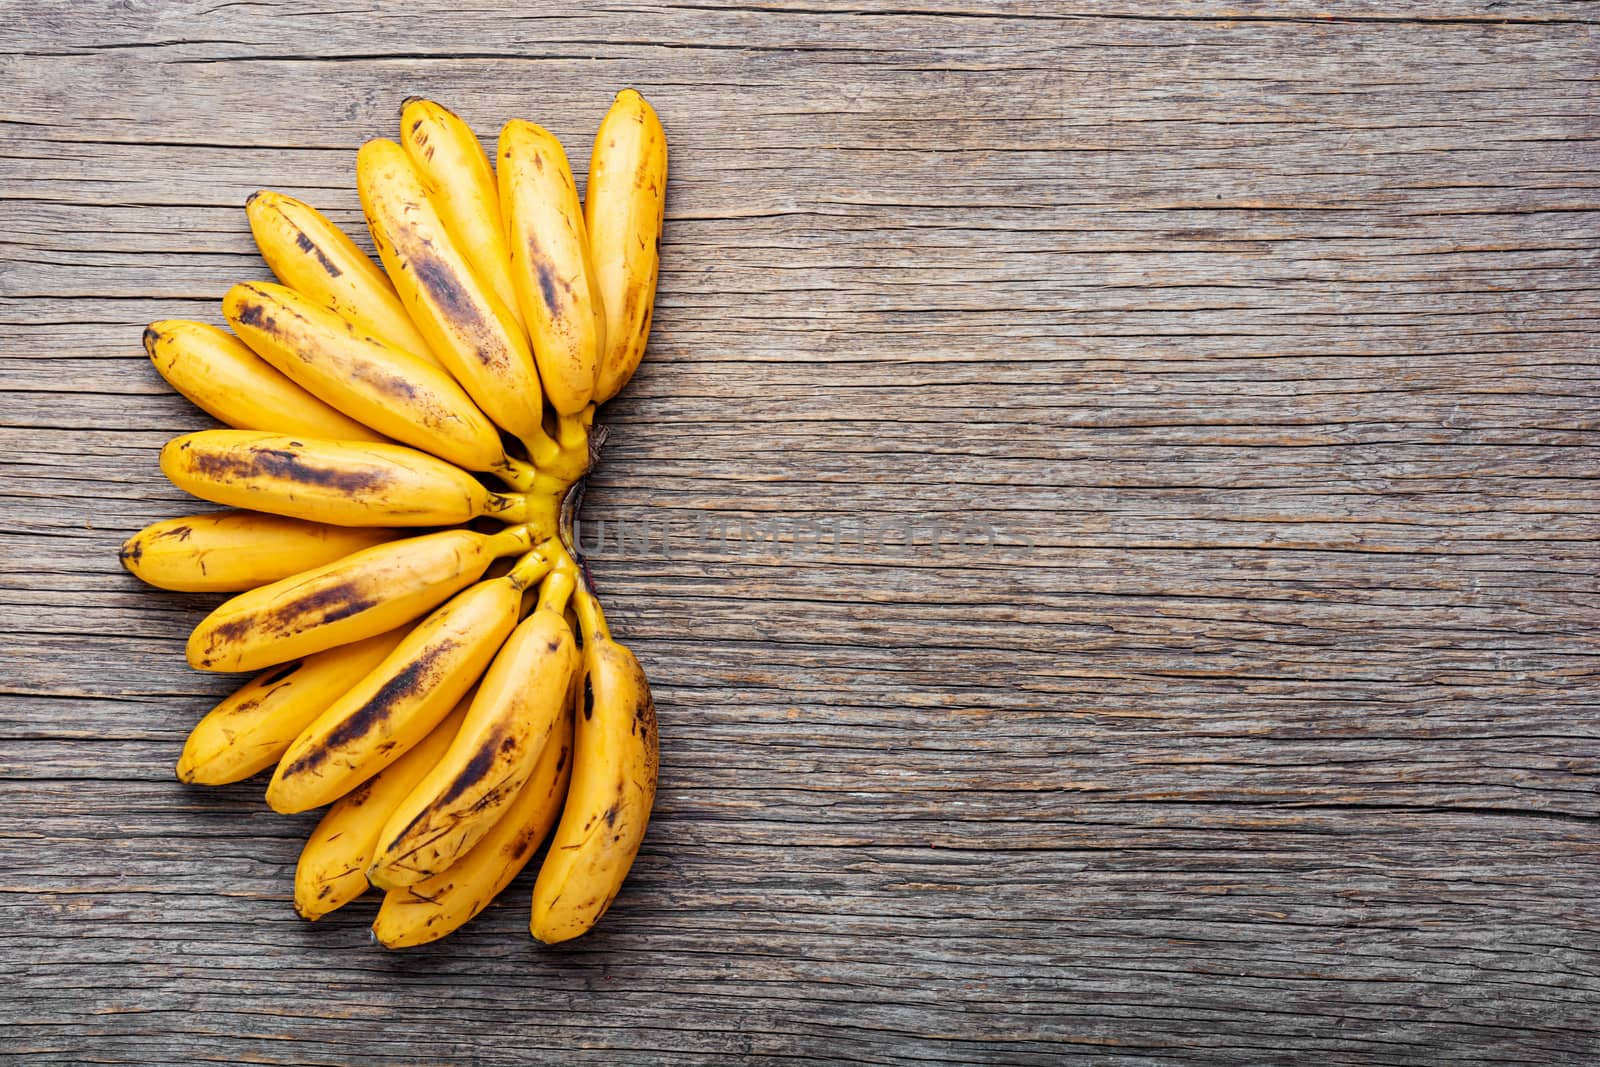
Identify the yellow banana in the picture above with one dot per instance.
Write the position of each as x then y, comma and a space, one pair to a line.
458, 177
249, 730
435, 906
222, 377
312, 255
350, 599
230, 551
512, 718
333, 864
470, 329
624, 206
550, 265
615, 764
392, 391
392, 708
346, 483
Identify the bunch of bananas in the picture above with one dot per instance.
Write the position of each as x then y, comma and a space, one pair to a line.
406, 444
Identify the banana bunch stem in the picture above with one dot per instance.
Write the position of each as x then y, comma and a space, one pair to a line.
564, 458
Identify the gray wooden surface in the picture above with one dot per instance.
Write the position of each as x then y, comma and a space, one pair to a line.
1260, 344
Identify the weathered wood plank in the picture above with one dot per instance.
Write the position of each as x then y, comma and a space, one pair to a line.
1261, 722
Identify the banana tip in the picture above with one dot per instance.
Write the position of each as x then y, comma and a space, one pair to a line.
276, 802
551, 936
379, 879
395, 940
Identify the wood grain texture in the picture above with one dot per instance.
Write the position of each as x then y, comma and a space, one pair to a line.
1257, 720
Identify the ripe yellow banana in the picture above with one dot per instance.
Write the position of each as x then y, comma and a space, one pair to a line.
333, 864
310, 254
624, 206
222, 377
458, 177
550, 265
470, 329
392, 708
511, 720
357, 597
249, 731
230, 551
435, 906
346, 483
406, 398
615, 764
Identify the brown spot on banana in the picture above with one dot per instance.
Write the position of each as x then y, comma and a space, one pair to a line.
417, 675
280, 674
547, 284
325, 605
281, 464
355, 798
439, 281
472, 774
322, 606
255, 316
310, 247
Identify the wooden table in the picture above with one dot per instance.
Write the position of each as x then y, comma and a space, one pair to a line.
1231, 368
